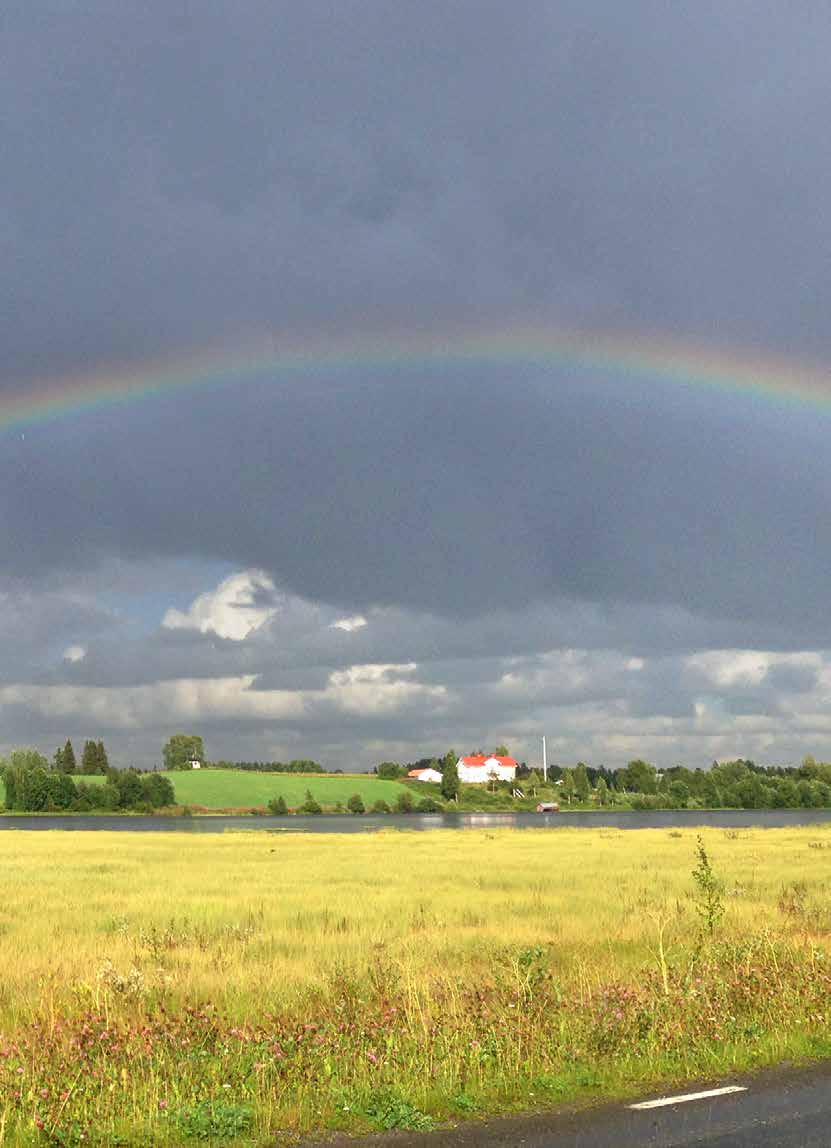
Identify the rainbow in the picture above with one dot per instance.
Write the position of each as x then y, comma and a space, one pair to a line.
617, 355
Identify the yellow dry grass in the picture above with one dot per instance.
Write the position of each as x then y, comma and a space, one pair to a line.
246, 918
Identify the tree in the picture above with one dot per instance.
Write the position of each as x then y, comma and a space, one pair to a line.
404, 802
602, 791
389, 770
89, 758
450, 777
568, 789
501, 751
534, 779
101, 757
639, 777
582, 788
181, 749
310, 805
355, 804
157, 790
67, 764
278, 806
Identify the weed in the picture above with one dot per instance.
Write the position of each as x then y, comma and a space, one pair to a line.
387, 1109
210, 1120
710, 891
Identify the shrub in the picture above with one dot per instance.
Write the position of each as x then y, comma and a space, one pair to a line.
278, 806
428, 805
404, 803
355, 804
380, 806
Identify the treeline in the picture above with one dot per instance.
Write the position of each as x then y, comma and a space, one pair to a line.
32, 785
298, 766
732, 784
739, 784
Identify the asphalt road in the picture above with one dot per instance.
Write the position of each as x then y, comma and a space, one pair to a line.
781, 1109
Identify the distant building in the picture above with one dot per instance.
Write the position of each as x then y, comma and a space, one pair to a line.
195, 763
427, 774
477, 769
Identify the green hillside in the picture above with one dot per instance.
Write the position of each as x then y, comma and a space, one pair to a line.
231, 788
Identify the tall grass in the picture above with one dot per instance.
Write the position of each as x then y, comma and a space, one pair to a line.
168, 988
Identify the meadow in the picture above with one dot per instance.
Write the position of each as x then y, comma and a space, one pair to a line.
249, 987
229, 788
215, 789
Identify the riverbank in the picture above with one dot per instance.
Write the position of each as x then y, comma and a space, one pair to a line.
161, 987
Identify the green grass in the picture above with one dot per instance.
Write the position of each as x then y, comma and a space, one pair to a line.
239, 789
231, 788
245, 988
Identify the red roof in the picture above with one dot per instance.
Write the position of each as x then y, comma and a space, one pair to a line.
477, 760
416, 772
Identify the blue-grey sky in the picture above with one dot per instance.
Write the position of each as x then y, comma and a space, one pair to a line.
358, 564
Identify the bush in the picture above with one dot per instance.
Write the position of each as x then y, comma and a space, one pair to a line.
355, 804
428, 805
278, 806
405, 803
310, 805
380, 806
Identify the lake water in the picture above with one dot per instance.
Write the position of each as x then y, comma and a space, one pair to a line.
346, 823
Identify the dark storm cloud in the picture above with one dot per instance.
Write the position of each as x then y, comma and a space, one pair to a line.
201, 174
452, 494
176, 174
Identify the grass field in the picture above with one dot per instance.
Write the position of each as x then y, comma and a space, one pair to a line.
229, 788
161, 988
239, 789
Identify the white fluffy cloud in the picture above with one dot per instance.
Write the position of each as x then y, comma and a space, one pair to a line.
74, 653
349, 625
232, 610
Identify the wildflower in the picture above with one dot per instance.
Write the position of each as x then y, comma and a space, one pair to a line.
162, 1105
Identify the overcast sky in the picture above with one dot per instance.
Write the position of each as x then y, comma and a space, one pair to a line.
360, 564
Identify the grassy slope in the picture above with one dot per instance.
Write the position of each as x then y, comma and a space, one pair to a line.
230, 788
387, 931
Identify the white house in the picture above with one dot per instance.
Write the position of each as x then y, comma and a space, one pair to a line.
427, 774
195, 763
477, 769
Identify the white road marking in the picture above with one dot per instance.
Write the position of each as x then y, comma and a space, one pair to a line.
666, 1100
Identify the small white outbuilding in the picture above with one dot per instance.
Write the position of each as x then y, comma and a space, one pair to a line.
426, 774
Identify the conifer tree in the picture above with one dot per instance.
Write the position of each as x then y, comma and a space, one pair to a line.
67, 758
89, 758
101, 757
